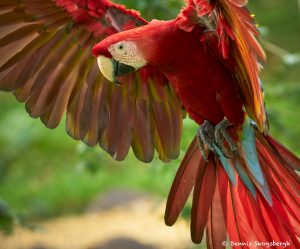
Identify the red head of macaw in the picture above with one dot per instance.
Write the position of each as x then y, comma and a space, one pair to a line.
129, 51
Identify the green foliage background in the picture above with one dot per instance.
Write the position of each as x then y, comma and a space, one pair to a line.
44, 173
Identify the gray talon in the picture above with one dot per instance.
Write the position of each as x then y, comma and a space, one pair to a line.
214, 138
201, 146
205, 135
221, 133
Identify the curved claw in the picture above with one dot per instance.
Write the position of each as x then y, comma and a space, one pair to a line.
205, 135
214, 138
221, 133
201, 146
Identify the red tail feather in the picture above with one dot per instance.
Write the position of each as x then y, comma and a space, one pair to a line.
216, 222
287, 156
183, 183
202, 198
219, 206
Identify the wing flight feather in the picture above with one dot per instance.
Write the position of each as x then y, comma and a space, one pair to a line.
46, 62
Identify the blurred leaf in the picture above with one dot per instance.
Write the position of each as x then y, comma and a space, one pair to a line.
291, 59
6, 218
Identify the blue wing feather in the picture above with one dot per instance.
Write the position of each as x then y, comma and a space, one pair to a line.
249, 153
245, 178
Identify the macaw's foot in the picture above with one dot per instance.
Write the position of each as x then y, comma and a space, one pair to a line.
205, 136
221, 134
215, 138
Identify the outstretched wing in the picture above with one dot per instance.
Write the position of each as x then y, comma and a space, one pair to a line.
229, 28
46, 62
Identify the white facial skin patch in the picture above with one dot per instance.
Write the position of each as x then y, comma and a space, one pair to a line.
127, 53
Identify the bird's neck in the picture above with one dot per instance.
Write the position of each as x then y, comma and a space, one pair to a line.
166, 46
160, 42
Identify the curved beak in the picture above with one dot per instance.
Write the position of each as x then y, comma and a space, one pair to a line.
111, 69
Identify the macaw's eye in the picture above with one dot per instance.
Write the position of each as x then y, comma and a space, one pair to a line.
121, 46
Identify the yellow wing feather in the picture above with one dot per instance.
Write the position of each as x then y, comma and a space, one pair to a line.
247, 52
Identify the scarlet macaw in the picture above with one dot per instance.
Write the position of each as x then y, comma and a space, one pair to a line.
205, 62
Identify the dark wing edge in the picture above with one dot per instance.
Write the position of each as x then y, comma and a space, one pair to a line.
46, 62
229, 26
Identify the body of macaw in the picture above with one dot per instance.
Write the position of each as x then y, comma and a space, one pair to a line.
205, 61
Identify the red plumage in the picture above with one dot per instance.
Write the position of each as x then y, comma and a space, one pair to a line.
246, 218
